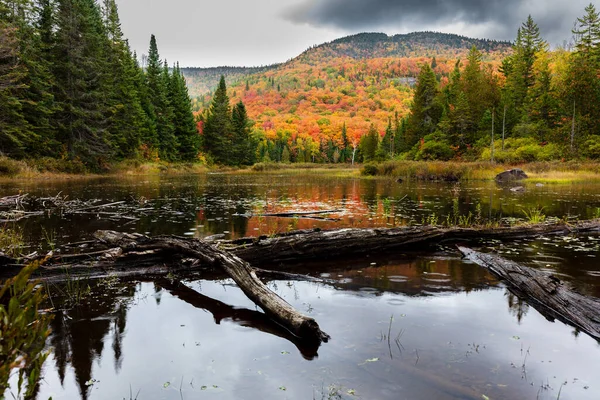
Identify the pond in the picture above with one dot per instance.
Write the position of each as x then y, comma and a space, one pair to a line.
403, 326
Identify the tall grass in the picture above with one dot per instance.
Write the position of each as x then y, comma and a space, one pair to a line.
463, 171
11, 241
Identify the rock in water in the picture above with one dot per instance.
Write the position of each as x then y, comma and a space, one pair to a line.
515, 174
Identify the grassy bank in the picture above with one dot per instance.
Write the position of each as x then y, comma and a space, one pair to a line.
50, 168
542, 172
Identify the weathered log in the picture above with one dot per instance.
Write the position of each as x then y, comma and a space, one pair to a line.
299, 213
345, 243
545, 292
239, 270
242, 316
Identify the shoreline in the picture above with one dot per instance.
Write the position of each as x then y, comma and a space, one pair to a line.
435, 171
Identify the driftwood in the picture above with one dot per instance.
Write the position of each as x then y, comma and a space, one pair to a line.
242, 316
545, 292
299, 213
239, 270
344, 243
135, 255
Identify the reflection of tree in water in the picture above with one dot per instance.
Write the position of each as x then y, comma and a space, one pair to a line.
223, 204
78, 334
516, 306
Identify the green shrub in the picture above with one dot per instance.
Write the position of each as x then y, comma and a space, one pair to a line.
591, 147
9, 167
519, 150
369, 170
434, 151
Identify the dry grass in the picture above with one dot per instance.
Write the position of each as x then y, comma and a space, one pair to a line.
546, 172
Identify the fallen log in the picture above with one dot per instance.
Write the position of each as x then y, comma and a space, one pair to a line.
242, 316
239, 270
299, 213
549, 295
345, 243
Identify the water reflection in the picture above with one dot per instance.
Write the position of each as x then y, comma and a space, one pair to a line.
461, 328
460, 336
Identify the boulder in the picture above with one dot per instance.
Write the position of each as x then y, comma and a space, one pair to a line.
515, 174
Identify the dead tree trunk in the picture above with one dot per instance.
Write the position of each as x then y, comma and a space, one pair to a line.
239, 270
545, 292
316, 244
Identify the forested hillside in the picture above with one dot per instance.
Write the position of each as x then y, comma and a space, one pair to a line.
317, 106
428, 96
201, 81
73, 94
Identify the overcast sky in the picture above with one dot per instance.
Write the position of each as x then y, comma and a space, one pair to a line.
258, 32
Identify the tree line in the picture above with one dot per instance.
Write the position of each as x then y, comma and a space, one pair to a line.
533, 104
71, 88
540, 105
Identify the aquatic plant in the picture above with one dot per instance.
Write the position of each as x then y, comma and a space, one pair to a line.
23, 331
535, 215
11, 241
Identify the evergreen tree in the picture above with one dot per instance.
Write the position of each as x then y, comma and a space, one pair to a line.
426, 109
80, 70
244, 147
188, 140
218, 128
344, 154
519, 67
14, 128
369, 144
127, 122
157, 80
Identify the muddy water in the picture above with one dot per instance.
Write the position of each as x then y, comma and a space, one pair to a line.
403, 326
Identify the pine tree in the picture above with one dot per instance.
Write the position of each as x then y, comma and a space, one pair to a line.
157, 80
520, 65
426, 109
188, 140
218, 129
244, 147
14, 128
369, 144
587, 33
127, 122
80, 71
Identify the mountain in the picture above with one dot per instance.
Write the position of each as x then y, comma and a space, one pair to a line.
202, 81
350, 85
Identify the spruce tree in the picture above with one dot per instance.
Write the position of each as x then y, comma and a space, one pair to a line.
244, 147
426, 109
188, 140
14, 128
127, 122
80, 70
157, 80
218, 127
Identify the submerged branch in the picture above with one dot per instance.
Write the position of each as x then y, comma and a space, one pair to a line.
545, 292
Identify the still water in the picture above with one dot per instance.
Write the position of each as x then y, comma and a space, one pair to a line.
403, 326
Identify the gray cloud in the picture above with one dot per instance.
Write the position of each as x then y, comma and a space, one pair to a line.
495, 19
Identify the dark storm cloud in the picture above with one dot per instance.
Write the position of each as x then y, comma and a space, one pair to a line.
496, 19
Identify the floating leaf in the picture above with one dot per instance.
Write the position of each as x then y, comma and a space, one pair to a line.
166, 384
285, 352
282, 388
203, 387
370, 360
351, 392
516, 337
484, 397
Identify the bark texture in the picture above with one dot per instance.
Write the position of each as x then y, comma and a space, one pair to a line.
545, 292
